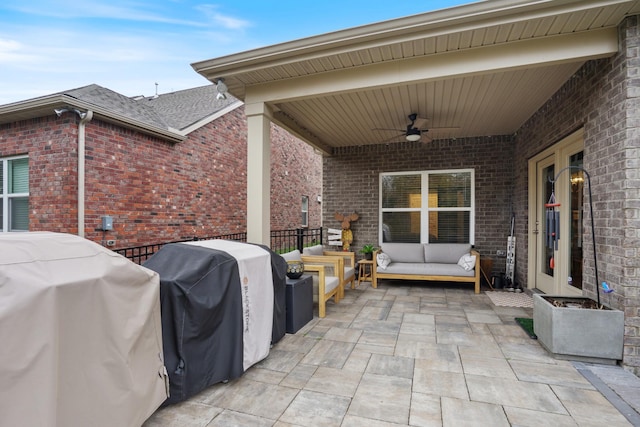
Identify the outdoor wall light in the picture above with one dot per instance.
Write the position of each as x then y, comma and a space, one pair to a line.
221, 88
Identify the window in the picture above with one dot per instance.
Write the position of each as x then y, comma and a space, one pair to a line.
305, 211
427, 206
14, 194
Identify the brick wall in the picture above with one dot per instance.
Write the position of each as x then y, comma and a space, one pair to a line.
296, 171
52, 148
628, 273
603, 98
351, 184
156, 191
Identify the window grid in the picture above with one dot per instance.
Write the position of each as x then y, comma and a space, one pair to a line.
412, 210
14, 194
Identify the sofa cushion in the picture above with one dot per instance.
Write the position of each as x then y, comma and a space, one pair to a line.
403, 268
426, 269
349, 272
446, 253
330, 283
313, 250
405, 252
292, 256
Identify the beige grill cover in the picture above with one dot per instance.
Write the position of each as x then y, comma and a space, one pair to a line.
80, 334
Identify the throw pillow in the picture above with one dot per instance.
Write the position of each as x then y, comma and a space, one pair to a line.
467, 261
383, 260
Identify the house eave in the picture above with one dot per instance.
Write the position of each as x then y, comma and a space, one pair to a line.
454, 20
44, 106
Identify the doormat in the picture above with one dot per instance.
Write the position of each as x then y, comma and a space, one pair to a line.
510, 299
527, 325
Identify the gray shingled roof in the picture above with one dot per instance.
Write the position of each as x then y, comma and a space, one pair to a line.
176, 110
183, 108
115, 102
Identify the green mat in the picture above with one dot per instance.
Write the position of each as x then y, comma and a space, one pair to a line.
527, 325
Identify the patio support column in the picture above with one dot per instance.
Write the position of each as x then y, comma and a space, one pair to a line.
258, 173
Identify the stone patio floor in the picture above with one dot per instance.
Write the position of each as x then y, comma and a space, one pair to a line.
413, 354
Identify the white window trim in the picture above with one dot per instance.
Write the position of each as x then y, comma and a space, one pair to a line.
303, 211
5, 196
424, 219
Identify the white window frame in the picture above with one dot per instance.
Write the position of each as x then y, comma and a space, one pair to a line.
305, 213
424, 203
5, 196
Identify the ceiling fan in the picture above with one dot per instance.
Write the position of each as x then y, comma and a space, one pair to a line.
415, 130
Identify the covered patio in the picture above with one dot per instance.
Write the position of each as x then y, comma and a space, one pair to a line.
509, 92
413, 355
474, 71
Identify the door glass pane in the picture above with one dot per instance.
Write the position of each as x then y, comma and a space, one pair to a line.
19, 214
577, 200
401, 191
401, 227
548, 174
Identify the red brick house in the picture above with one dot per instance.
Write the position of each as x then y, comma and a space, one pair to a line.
163, 168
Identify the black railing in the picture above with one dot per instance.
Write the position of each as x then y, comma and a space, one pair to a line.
287, 240
281, 241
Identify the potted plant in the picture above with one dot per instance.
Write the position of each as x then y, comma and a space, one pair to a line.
578, 327
368, 251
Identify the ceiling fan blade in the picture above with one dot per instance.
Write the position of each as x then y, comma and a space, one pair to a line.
393, 137
395, 130
442, 129
421, 122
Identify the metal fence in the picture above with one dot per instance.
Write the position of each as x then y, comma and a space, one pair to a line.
281, 241
287, 240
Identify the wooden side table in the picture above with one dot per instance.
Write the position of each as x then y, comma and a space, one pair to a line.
365, 270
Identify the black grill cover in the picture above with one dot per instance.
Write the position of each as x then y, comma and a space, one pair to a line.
202, 325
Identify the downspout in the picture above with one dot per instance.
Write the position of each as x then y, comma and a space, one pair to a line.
81, 174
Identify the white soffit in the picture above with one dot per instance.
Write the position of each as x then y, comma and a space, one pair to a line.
483, 67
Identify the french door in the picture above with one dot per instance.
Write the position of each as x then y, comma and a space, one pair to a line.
555, 175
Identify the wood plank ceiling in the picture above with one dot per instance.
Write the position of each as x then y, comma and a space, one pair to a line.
475, 101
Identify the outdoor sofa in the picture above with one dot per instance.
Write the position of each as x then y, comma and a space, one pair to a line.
450, 262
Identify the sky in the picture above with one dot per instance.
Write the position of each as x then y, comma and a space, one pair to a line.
130, 45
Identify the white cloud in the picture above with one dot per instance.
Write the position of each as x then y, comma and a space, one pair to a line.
12, 51
53, 46
227, 22
115, 10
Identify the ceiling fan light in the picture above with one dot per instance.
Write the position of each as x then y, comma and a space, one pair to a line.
413, 135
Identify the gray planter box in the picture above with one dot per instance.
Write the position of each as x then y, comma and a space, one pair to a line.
578, 333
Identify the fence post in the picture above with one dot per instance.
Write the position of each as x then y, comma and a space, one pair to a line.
300, 238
